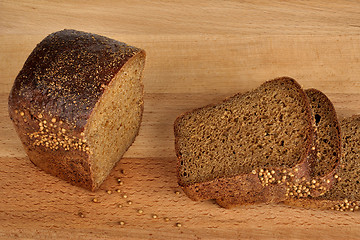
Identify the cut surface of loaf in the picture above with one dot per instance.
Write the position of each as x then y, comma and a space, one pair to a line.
77, 104
242, 150
344, 195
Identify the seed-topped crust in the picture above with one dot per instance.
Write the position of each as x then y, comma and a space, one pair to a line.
71, 65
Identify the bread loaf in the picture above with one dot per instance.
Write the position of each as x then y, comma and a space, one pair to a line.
77, 104
247, 148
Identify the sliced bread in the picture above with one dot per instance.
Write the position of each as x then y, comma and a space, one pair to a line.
324, 155
77, 104
327, 127
344, 195
326, 150
245, 149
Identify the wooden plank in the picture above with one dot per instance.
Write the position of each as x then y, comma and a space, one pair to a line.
197, 53
182, 17
223, 64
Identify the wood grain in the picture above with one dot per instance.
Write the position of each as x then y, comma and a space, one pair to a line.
198, 53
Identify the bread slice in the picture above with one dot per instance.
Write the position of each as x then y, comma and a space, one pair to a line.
327, 144
325, 152
245, 149
344, 195
77, 104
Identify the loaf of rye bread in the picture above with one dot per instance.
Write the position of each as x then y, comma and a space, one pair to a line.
324, 155
344, 195
77, 104
247, 148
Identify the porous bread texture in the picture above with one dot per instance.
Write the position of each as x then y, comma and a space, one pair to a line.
115, 120
77, 104
348, 186
326, 150
327, 142
249, 143
344, 195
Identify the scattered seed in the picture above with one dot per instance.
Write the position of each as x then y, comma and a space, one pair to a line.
22, 113
120, 206
166, 219
118, 190
121, 223
129, 202
178, 225
140, 211
95, 200
53, 120
154, 216
81, 215
124, 196
108, 191
177, 192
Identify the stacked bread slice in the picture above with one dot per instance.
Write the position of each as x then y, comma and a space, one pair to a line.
344, 195
275, 143
248, 148
324, 156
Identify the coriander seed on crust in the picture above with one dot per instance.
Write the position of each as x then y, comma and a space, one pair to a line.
82, 97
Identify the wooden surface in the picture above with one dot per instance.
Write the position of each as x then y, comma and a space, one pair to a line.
198, 52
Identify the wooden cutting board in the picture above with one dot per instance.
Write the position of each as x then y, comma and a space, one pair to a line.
198, 53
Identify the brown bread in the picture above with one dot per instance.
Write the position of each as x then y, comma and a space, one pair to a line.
344, 195
77, 105
245, 149
327, 144
325, 154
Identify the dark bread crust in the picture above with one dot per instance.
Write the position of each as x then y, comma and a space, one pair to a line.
248, 188
56, 90
245, 188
